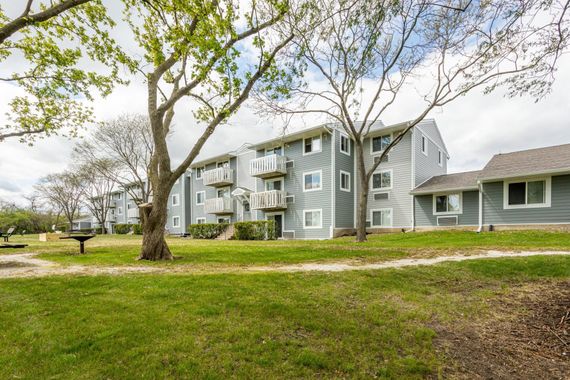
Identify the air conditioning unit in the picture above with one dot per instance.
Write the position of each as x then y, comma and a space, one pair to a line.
381, 196
447, 220
288, 235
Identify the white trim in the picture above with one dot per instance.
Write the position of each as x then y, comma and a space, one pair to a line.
447, 216
426, 151
447, 193
547, 195
419, 127
321, 180
282, 146
203, 198
379, 152
200, 218
275, 179
282, 213
320, 221
413, 177
372, 211
440, 158
203, 168
289, 196
313, 151
173, 218
333, 184
555, 172
292, 166
340, 181
382, 188
175, 196
344, 135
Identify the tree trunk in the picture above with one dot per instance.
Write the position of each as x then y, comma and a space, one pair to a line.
362, 204
154, 245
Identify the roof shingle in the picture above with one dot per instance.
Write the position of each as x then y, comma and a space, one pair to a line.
447, 182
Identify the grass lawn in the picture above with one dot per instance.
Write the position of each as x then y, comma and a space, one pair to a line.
354, 324
123, 250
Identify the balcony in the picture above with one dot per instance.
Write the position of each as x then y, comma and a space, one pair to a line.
133, 213
223, 205
218, 177
268, 200
268, 166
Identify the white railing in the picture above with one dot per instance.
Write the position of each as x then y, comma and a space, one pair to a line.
222, 205
133, 212
223, 176
266, 200
268, 165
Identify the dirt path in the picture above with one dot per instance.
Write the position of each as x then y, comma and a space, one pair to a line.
27, 265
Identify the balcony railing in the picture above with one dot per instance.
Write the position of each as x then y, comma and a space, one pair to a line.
268, 166
222, 205
219, 177
133, 212
268, 200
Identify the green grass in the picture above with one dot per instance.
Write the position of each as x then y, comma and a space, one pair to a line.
344, 325
123, 250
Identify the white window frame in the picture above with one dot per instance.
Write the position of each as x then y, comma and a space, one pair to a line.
278, 179
379, 152
177, 197
372, 225
547, 195
277, 146
120, 196
342, 172
382, 188
200, 170
305, 220
223, 162
119, 210
460, 193
203, 198
440, 158
344, 136
426, 145
313, 151
320, 176
199, 219
174, 224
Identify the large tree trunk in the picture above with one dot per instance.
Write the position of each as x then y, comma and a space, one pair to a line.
362, 194
154, 245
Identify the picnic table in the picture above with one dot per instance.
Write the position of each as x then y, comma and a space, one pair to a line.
81, 239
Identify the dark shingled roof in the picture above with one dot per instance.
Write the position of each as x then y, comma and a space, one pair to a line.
528, 162
446, 182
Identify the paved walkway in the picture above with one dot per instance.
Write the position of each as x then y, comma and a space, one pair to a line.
27, 265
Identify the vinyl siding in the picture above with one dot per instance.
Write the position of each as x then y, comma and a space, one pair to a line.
344, 201
427, 166
559, 212
176, 210
469, 216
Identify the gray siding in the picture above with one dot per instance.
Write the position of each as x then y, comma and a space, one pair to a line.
427, 166
559, 212
178, 210
469, 216
344, 201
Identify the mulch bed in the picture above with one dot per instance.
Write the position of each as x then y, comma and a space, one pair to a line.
525, 335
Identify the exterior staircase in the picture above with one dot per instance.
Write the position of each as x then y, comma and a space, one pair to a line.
227, 234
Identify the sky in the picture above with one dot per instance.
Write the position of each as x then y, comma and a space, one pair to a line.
474, 127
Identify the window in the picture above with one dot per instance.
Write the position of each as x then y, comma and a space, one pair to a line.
344, 144
382, 180
381, 217
344, 181
175, 199
120, 211
380, 143
130, 206
223, 164
312, 181
276, 150
447, 203
175, 221
223, 192
118, 196
439, 158
200, 220
312, 145
274, 184
527, 193
312, 218
424, 145
200, 197
199, 172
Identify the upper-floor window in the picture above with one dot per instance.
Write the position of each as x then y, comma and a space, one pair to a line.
439, 158
223, 192
199, 172
344, 144
312, 145
175, 221
274, 184
379, 143
447, 203
175, 199
120, 211
276, 150
118, 196
312, 181
527, 193
424, 145
344, 181
200, 197
382, 180
223, 164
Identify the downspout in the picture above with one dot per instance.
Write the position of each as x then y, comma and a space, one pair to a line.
333, 183
413, 179
480, 185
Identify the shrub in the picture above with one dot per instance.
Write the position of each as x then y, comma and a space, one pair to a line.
255, 230
98, 230
122, 229
207, 230
137, 229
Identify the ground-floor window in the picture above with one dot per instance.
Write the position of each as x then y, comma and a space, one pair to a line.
447, 203
527, 193
312, 218
200, 220
175, 221
382, 217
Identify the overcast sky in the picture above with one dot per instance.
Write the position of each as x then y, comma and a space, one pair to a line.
474, 128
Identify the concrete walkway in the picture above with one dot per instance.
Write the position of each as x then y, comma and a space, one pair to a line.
27, 265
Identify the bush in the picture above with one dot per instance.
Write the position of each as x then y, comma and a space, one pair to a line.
207, 230
256, 230
98, 230
137, 229
122, 229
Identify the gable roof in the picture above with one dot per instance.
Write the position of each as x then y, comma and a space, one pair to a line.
448, 182
553, 159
